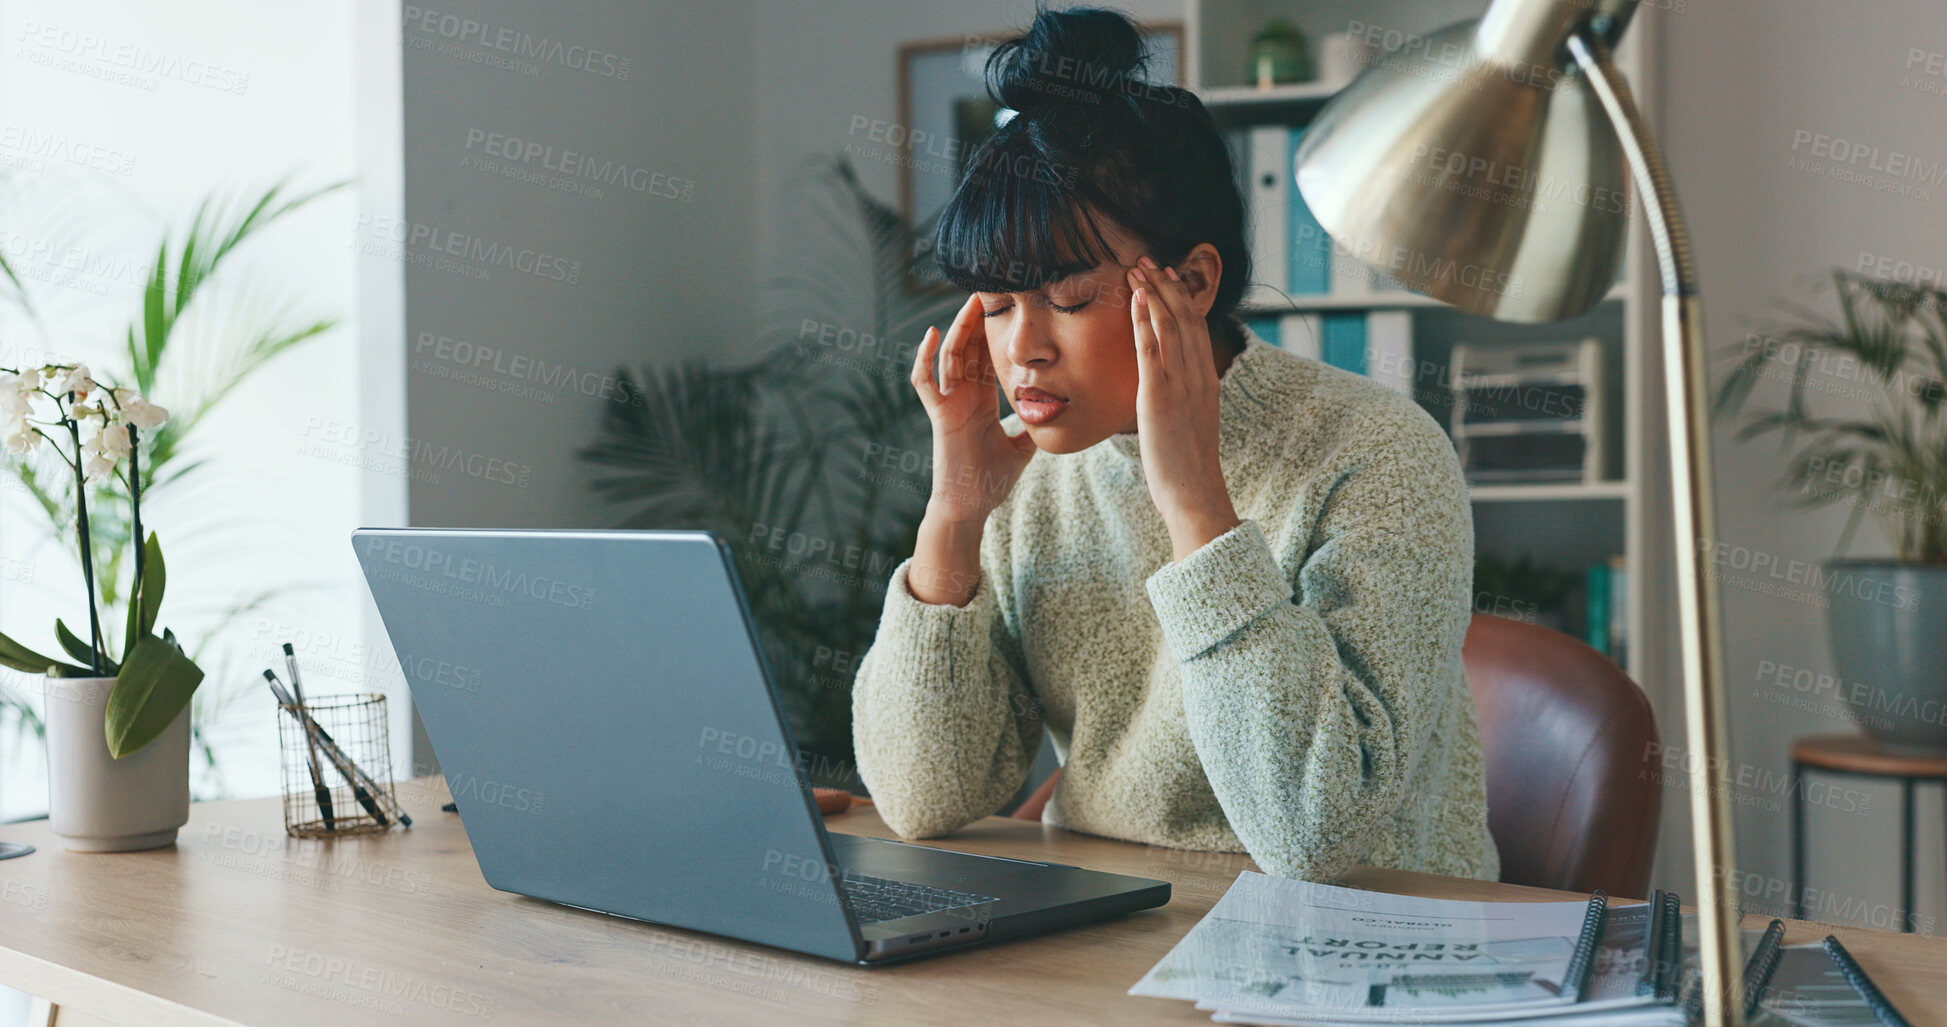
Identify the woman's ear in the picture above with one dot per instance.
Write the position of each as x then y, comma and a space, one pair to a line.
1202, 269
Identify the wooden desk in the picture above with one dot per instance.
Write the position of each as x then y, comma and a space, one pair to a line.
239, 924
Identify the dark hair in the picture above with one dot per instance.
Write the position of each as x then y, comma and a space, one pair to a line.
1090, 138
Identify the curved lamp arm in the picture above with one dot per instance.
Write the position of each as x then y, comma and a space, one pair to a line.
1705, 708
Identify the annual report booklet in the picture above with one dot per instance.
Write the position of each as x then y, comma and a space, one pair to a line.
1279, 945
1287, 953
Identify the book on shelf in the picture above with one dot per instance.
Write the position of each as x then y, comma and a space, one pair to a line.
1606, 607
1291, 253
1292, 257
1619, 609
1279, 951
1595, 619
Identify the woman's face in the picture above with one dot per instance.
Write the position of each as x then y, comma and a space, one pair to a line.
1065, 354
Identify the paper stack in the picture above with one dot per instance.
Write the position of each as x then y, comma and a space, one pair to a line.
1290, 953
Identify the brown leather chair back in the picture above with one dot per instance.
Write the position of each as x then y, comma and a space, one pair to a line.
1566, 735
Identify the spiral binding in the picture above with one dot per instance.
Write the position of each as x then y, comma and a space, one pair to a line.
1576, 979
1856, 976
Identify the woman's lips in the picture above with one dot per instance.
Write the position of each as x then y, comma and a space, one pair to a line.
1038, 406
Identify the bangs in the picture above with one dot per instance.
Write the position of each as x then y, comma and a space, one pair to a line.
1014, 224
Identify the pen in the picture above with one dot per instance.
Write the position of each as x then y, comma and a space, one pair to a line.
346, 767
311, 747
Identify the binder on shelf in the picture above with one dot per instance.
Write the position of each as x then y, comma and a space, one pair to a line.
1342, 341
1308, 268
1389, 350
1303, 334
1266, 328
1269, 149
1595, 624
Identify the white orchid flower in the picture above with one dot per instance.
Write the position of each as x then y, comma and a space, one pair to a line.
21, 439
73, 380
97, 469
104, 450
15, 403
111, 441
138, 411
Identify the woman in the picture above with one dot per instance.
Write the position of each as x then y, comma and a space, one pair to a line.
1233, 582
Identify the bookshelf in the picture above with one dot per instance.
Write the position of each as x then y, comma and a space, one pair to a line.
1409, 339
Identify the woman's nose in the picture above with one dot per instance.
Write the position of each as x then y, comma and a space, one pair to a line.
1029, 344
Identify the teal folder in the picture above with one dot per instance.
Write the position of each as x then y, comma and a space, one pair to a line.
1342, 341
1310, 267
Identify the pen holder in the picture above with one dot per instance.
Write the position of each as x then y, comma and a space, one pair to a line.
319, 800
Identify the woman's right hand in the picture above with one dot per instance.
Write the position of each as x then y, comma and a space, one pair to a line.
975, 461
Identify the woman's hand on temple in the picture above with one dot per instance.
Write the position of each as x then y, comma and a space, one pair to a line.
1176, 409
975, 461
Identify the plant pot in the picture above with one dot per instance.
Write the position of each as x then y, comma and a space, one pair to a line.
97, 803
1888, 625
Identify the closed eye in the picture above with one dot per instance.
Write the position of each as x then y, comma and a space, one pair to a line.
996, 311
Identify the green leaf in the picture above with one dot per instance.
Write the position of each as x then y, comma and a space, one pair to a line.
27, 661
155, 318
154, 577
155, 684
79, 649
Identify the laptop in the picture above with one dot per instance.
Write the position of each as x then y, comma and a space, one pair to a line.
613, 739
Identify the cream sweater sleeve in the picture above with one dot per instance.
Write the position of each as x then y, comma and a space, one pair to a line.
945, 725
1306, 712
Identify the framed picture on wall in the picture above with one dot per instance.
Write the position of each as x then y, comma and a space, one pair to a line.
945, 112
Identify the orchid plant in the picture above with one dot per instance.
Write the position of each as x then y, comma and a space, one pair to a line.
50, 406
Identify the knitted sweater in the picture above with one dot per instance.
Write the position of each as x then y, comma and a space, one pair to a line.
1292, 689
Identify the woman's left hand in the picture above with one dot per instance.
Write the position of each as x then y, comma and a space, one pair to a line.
1176, 409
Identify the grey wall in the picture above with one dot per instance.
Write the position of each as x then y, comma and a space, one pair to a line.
578, 195
820, 65
1741, 80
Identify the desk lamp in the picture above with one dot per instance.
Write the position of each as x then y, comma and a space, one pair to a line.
1486, 166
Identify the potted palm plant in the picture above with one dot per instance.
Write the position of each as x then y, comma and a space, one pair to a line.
1884, 363
786, 442
117, 730
229, 337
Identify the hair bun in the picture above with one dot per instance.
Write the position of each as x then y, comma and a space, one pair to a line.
1081, 57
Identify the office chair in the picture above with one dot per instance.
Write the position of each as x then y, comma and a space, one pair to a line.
1567, 737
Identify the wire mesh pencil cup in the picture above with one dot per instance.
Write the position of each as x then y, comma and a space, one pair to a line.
319, 799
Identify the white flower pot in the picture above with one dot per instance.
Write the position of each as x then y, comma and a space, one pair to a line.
97, 803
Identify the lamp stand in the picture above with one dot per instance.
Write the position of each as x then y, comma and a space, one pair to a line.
1705, 711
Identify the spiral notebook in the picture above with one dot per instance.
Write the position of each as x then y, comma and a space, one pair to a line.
1288, 953
1283, 946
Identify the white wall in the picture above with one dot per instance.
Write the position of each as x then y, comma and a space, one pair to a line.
183, 101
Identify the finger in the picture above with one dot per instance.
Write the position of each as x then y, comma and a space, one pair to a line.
1163, 323
922, 377
1197, 348
1171, 293
981, 372
1148, 359
965, 323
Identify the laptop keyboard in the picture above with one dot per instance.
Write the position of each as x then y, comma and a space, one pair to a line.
874, 899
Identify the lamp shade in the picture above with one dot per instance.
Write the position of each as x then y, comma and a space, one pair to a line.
1474, 167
